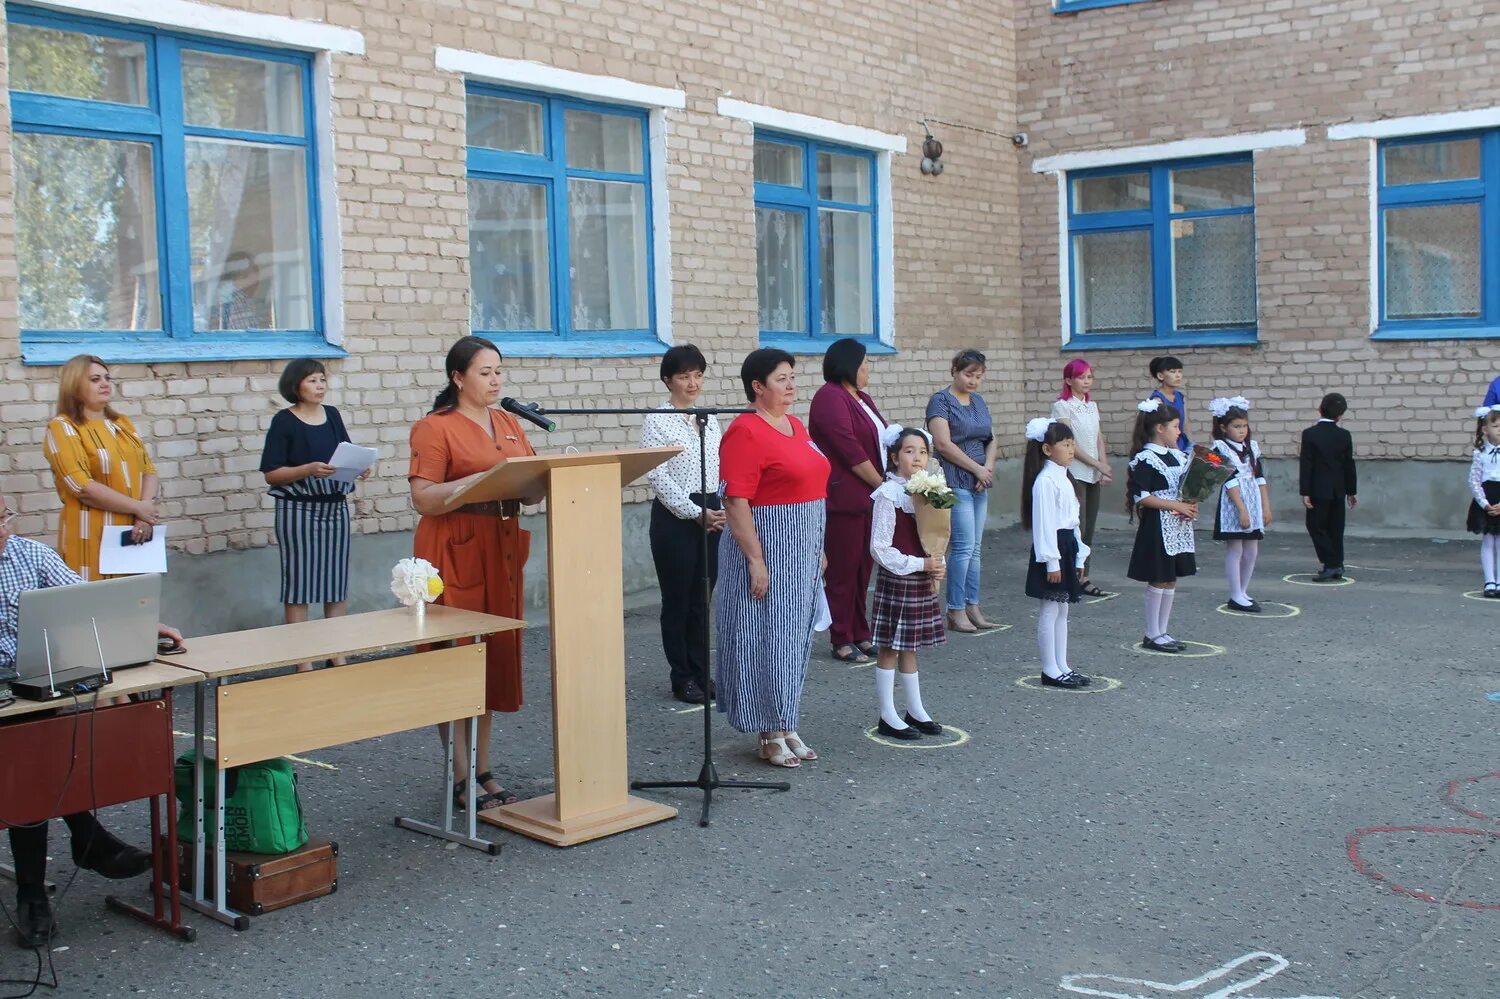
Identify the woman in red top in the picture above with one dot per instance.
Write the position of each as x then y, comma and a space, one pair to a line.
479, 549
847, 425
770, 560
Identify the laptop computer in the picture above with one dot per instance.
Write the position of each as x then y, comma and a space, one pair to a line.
70, 638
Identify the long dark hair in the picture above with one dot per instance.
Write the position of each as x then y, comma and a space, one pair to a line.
1036, 460
1145, 428
460, 356
1221, 422
1490, 417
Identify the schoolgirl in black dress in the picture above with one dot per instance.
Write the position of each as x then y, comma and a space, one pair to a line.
1049, 506
1484, 483
1244, 509
1163, 549
312, 510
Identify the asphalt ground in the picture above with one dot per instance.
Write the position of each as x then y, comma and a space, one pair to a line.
1202, 810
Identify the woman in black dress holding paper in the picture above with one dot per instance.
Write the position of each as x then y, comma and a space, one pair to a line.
312, 510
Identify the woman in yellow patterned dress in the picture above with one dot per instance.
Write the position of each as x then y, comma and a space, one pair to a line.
100, 466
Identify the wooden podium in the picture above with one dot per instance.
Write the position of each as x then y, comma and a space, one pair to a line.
585, 594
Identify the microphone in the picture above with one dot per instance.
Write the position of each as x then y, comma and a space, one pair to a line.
527, 411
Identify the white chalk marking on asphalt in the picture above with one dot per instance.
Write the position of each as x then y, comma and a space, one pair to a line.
1213, 650
1293, 610
1479, 595
686, 711
1100, 600
299, 759
963, 737
1034, 682
1306, 579
1229, 979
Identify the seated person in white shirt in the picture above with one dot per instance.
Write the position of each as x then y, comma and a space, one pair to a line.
29, 565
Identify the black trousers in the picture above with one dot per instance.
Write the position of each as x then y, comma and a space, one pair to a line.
28, 845
677, 550
1325, 525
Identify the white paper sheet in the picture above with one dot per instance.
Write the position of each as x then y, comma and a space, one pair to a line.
822, 615
119, 559
351, 460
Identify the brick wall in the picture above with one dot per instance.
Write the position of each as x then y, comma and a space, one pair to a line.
1169, 70
398, 130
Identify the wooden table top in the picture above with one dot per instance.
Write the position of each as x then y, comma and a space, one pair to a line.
152, 676
236, 652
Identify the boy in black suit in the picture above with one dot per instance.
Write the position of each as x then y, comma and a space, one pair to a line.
1328, 481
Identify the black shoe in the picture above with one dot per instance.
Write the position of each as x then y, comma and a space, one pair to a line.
909, 733
689, 693
1327, 574
928, 727
1068, 681
1153, 646
1491, 591
35, 926
107, 856
1251, 608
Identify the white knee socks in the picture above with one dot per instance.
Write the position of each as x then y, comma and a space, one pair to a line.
1489, 557
911, 691
1233, 551
1247, 567
1153, 612
1046, 637
885, 693
1163, 615
1060, 638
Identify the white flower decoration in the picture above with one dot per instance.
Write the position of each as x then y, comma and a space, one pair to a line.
1037, 429
1148, 405
414, 581
1222, 405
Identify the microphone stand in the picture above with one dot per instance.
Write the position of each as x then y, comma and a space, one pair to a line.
708, 779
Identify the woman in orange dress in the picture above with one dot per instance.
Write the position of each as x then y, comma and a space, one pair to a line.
479, 549
100, 467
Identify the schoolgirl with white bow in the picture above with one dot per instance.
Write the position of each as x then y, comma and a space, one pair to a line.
1244, 510
1049, 506
1484, 483
907, 615
1163, 551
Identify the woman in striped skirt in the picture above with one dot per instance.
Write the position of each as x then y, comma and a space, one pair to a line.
312, 510
770, 561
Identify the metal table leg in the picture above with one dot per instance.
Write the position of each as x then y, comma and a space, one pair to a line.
446, 831
217, 907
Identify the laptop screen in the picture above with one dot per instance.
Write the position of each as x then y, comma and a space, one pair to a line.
109, 622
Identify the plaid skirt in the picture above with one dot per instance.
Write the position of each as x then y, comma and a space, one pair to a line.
907, 615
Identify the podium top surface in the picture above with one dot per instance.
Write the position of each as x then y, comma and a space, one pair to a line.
236, 652
136, 680
514, 478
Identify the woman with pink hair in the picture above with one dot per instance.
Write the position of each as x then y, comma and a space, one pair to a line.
1090, 469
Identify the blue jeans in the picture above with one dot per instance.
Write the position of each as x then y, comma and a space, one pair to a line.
963, 549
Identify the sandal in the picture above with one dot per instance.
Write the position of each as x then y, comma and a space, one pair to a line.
775, 752
487, 800
853, 655
802, 750
1091, 590
867, 647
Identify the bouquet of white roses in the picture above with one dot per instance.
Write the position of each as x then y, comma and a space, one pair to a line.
932, 504
416, 581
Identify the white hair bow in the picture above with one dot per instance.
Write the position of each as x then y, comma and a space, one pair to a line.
1148, 405
892, 432
1484, 411
1222, 405
1036, 429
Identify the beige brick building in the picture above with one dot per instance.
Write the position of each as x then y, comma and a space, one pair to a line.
378, 254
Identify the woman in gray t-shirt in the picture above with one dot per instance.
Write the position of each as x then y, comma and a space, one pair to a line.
959, 422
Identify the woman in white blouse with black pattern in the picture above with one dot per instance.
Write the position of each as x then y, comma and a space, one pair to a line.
679, 516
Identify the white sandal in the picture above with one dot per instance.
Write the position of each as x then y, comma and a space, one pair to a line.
799, 746
775, 752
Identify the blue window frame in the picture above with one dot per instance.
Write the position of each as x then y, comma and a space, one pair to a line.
1068, 6
166, 194
560, 249
815, 242
1439, 208
1162, 253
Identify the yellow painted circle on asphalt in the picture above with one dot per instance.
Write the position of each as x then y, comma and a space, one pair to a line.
1210, 650
1479, 595
1291, 611
923, 743
1306, 579
1100, 685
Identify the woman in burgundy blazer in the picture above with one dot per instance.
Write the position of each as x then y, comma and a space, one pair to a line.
844, 423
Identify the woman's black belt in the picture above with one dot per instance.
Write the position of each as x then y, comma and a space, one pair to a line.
316, 498
504, 509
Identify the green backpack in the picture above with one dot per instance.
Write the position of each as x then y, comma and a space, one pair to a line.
262, 813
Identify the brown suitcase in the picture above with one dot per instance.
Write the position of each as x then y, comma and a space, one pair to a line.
264, 882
